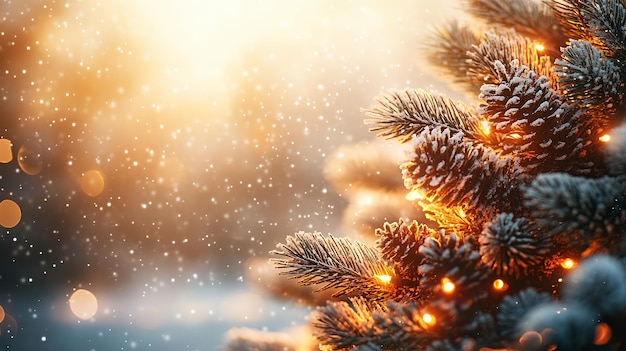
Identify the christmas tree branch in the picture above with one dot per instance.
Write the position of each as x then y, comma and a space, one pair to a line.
402, 114
589, 78
506, 47
578, 210
528, 18
448, 48
339, 263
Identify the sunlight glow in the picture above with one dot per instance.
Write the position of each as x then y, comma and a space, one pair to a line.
414, 195
485, 127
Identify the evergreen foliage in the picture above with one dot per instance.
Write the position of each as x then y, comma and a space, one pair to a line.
526, 193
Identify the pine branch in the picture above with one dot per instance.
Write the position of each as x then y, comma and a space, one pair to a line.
587, 77
578, 210
507, 47
600, 22
452, 172
456, 259
514, 308
448, 48
511, 245
339, 263
345, 325
534, 123
528, 18
402, 114
399, 243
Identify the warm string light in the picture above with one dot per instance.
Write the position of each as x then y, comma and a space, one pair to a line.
605, 138
568, 263
447, 286
385, 279
429, 319
500, 285
414, 195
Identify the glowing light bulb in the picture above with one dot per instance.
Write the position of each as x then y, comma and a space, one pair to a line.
414, 195
539, 47
447, 286
500, 285
429, 319
605, 138
568, 263
385, 279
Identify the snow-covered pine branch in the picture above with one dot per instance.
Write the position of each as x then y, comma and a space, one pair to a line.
338, 263
403, 114
588, 77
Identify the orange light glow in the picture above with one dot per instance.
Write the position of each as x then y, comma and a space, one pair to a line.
462, 213
486, 127
2, 314
568, 263
414, 195
603, 334
605, 138
500, 285
429, 319
92, 183
515, 136
539, 47
447, 286
10, 213
385, 279
5, 151
83, 304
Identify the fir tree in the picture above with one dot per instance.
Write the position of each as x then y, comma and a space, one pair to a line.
525, 188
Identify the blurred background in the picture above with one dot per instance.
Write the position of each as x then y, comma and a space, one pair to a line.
150, 151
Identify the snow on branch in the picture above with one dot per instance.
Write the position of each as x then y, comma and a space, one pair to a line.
507, 46
338, 263
403, 114
586, 76
529, 18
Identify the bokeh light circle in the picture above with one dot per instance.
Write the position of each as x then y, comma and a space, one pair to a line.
10, 213
5, 151
83, 304
29, 159
92, 183
1, 314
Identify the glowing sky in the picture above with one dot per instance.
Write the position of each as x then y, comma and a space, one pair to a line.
152, 148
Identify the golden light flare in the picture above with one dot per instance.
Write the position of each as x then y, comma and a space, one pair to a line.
568, 263
605, 138
540, 47
384, 278
10, 213
447, 286
92, 183
515, 136
6, 155
414, 195
83, 304
486, 127
603, 334
500, 285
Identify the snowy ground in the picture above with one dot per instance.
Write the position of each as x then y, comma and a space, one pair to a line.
206, 125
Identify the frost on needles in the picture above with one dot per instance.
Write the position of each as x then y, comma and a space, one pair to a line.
525, 196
